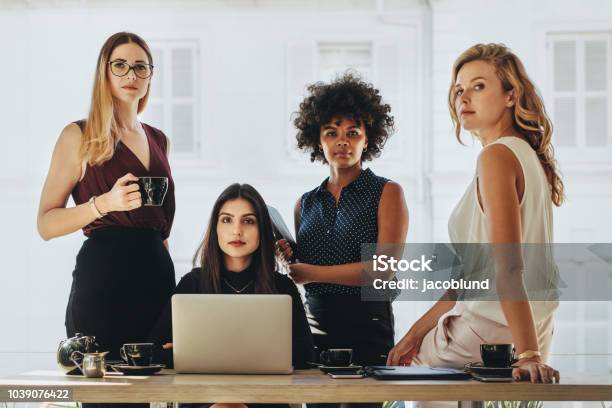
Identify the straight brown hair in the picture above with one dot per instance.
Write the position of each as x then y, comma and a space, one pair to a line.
209, 254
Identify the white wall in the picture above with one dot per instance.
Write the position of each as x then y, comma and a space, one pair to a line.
243, 61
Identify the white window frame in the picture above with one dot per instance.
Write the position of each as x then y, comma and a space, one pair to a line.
344, 47
579, 155
167, 101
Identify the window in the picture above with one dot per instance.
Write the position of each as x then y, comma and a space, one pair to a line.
336, 58
378, 62
580, 91
173, 102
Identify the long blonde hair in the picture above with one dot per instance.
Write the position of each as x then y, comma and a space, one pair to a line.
529, 115
100, 135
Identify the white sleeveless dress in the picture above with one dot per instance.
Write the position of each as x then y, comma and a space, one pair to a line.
456, 339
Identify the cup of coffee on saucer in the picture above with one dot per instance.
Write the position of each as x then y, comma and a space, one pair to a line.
139, 359
152, 190
336, 357
137, 354
497, 355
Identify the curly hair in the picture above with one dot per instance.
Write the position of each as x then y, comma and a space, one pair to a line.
348, 96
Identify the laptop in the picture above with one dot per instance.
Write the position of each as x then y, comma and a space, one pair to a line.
232, 334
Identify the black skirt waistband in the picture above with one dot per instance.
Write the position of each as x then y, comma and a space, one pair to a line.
125, 233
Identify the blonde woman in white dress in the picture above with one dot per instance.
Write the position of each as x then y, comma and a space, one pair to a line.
509, 201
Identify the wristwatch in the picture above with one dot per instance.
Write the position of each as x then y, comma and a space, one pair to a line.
529, 354
92, 205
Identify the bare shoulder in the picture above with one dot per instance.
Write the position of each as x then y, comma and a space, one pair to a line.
392, 214
392, 201
497, 158
70, 138
392, 191
64, 169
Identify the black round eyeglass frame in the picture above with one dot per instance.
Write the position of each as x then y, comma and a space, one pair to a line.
131, 67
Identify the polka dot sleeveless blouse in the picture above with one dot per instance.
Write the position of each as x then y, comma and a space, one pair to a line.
332, 235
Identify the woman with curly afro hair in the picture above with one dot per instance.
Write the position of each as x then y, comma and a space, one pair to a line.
343, 124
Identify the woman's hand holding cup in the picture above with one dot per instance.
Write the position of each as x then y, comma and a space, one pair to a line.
124, 196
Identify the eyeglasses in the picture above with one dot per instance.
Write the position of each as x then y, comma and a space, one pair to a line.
121, 68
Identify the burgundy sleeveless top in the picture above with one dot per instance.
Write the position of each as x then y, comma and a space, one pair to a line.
101, 179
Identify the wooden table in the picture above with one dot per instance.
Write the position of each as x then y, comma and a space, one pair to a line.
303, 386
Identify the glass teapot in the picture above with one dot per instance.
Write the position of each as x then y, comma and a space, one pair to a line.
80, 343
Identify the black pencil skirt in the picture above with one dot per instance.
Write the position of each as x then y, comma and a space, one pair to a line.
122, 280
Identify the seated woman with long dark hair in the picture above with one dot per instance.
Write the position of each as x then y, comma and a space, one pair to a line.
237, 257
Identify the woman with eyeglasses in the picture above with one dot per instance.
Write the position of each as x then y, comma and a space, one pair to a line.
124, 275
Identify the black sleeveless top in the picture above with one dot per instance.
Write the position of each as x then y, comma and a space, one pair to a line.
332, 235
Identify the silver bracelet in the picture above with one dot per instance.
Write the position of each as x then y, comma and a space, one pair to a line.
92, 205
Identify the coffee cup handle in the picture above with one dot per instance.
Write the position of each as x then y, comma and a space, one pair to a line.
122, 354
324, 356
73, 359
